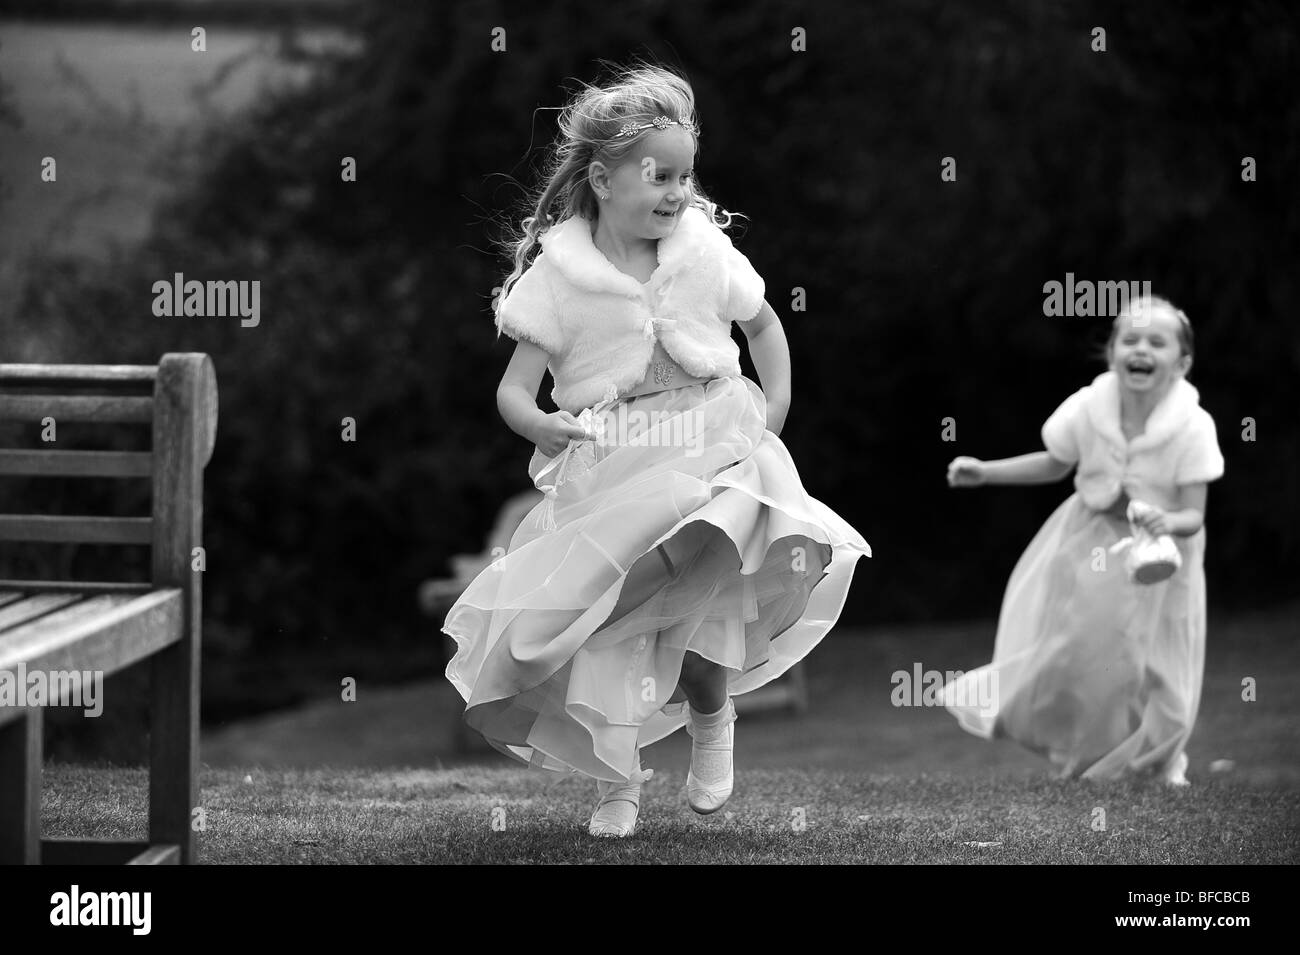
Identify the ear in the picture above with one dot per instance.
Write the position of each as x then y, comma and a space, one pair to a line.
598, 177
1184, 365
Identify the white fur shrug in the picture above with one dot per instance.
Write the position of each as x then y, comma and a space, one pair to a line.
599, 325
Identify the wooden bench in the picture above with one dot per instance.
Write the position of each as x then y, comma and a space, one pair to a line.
57, 625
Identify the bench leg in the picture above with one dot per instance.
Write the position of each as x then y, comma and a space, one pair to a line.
174, 748
20, 789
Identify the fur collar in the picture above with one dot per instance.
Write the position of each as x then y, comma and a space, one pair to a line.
569, 248
1167, 418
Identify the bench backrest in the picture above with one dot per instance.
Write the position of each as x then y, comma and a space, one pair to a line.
177, 398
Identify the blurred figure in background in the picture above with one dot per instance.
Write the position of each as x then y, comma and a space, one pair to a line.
1098, 665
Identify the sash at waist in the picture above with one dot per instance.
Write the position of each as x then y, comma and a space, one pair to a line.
663, 373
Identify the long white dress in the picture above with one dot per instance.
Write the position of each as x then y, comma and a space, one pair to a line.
764, 569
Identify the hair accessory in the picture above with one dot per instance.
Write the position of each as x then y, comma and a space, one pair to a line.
659, 122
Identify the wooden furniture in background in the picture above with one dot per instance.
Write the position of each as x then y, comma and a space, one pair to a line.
65, 625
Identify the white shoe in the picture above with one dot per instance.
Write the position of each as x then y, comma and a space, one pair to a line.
1175, 774
615, 814
711, 777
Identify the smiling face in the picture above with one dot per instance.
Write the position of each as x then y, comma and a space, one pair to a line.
1147, 353
649, 190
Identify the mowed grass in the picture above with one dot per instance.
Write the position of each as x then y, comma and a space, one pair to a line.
776, 816
871, 782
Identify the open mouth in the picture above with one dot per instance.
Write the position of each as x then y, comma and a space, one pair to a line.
666, 215
1140, 368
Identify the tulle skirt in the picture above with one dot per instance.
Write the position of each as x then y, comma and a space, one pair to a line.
1097, 673
760, 574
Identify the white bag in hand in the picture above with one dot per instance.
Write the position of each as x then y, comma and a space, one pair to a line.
1150, 559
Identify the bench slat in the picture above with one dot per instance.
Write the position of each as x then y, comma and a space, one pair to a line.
66, 528
22, 374
16, 613
81, 586
98, 408
77, 463
106, 637
81, 607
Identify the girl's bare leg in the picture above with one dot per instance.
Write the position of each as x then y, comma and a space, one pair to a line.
645, 577
704, 683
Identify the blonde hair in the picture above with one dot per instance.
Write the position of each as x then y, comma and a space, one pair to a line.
588, 125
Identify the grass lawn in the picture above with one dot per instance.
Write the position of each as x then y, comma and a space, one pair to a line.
850, 726
876, 783
870, 781
448, 816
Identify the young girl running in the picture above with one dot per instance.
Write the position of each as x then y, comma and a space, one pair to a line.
1092, 667
676, 560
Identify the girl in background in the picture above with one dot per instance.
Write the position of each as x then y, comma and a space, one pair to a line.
1092, 668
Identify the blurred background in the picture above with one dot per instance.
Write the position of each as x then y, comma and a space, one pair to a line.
924, 298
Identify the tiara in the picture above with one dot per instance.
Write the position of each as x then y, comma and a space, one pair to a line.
659, 122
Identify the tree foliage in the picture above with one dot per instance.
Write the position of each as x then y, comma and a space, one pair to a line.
924, 297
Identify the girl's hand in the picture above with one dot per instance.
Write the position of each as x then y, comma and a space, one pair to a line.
966, 472
1154, 520
555, 431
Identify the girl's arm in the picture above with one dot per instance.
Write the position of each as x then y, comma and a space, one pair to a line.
770, 353
1039, 467
517, 393
517, 402
1184, 522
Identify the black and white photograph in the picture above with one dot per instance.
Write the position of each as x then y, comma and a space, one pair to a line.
640, 433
